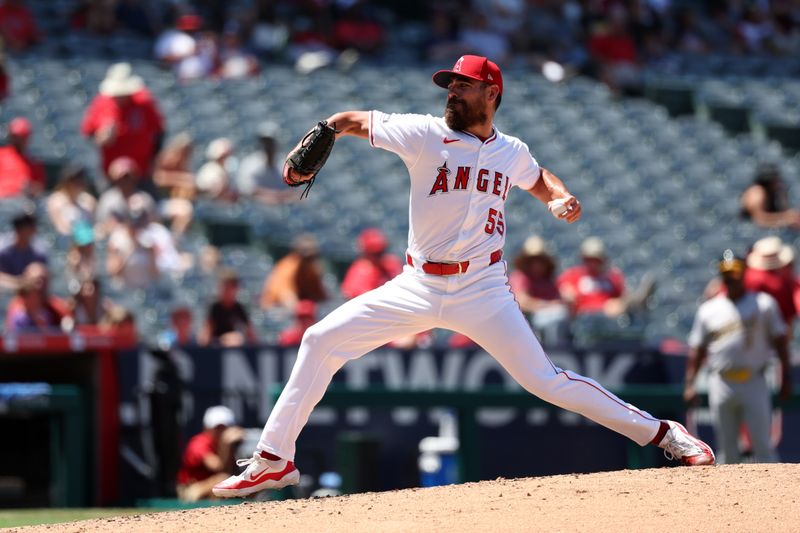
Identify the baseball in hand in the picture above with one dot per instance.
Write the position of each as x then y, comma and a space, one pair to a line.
558, 207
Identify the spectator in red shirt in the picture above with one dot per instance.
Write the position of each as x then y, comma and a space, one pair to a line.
373, 268
17, 25
19, 173
357, 31
593, 287
305, 316
769, 270
124, 121
613, 50
209, 456
533, 282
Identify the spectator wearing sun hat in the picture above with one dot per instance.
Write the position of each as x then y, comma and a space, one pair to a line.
20, 174
123, 120
769, 269
533, 282
373, 267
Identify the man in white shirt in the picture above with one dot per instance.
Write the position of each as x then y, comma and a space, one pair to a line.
461, 169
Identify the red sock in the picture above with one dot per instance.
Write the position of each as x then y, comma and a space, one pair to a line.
270, 456
662, 430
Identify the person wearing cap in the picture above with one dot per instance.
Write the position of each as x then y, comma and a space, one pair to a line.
735, 334
259, 175
213, 179
296, 276
766, 201
533, 282
769, 270
209, 456
71, 202
114, 204
20, 174
124, 121
23, 250
373, 267
460, 168
593, 287
227, 321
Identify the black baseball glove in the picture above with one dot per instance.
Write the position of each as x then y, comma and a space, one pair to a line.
305, 161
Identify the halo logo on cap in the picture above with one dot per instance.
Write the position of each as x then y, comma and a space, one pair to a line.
457, 66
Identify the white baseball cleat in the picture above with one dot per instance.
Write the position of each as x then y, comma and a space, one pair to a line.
260, 474
679, 445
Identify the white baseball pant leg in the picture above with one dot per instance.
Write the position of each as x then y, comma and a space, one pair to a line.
486, 311
400, 307
727, 415
734, 403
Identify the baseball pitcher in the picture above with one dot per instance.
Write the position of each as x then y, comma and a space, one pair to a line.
461, 169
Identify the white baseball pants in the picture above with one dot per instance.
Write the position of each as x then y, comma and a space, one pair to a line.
733, 403
479, 304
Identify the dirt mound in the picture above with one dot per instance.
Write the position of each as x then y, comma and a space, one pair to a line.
730, 498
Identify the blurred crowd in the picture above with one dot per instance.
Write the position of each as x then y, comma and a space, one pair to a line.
611, 39
143, 207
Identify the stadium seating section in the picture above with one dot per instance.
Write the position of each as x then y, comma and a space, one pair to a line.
661, 189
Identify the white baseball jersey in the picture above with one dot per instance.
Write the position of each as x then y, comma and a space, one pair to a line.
738, 334
459, 184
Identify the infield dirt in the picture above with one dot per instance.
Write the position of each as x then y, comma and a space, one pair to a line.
723, 498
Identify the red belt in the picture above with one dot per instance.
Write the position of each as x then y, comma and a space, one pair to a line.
450, 269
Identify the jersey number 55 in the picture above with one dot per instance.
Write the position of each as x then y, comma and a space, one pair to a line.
495, 222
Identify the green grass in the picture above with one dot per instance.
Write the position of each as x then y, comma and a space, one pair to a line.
32, 517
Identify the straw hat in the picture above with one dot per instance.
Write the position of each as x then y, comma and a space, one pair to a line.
770, 253
533, 247
120, 81
593, 247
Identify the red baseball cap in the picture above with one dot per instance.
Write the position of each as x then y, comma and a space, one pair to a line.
474, 67
189, 23
20, 127
372, 241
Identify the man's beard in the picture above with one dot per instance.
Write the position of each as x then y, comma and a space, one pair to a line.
458, 115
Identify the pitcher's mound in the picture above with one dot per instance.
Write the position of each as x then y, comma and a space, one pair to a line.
722, 498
